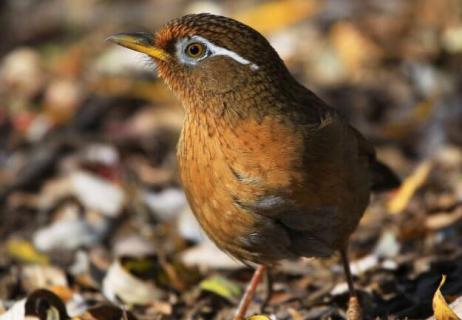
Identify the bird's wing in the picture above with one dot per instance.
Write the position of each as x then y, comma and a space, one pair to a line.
296, 174
308, 176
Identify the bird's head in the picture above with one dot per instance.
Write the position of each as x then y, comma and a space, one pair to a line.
202, 56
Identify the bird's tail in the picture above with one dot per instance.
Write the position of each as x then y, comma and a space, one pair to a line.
383, 178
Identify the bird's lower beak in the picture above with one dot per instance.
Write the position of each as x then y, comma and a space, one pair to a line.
142, 42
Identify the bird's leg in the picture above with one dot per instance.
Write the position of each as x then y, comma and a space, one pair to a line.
354, 311
249, 292
269, 290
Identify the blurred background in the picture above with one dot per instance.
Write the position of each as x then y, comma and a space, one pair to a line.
90, 204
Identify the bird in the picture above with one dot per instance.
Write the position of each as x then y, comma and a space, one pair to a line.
270, 170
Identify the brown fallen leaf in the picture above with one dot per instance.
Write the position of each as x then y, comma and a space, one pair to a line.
63, 292
443, 219
441, 309
105, 312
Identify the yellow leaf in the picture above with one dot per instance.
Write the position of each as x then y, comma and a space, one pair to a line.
221, 286
275, 15
441, 309
259, 317
25, 251
409, 186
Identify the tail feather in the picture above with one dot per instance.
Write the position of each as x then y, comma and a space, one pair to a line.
383, 178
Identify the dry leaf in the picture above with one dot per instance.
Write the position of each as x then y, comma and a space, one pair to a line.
443, 219
259, 317
275, 15
104, 312
16, 312
409, 186
441, 309
25, 251
221, 286
35, 276
40, 304
119, 284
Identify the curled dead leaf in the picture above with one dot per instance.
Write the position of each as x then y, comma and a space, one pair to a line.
441, 309
40, 304
121, 285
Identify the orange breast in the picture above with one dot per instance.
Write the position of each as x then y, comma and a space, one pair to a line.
219, 164
259, 196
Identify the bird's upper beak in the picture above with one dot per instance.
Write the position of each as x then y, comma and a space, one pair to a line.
142, 42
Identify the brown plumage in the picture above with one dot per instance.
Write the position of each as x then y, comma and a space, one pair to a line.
270, 171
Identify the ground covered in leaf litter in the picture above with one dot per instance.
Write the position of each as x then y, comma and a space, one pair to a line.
92, 214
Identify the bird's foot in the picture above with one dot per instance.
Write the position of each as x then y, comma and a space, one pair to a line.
354, 311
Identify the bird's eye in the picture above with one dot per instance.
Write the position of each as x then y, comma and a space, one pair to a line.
195, 50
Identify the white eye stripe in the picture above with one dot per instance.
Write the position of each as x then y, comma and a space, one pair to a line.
219, 51
213, 50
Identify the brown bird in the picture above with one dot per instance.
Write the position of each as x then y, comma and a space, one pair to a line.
270, 170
